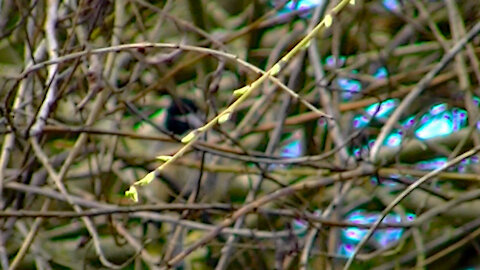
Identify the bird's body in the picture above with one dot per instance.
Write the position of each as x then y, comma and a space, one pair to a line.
172, 121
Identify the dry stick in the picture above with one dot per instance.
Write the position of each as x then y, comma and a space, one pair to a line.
97, 106
9, 139
335, 133
245, 92
58, 182
389, 249
462, 198
63, 171
461, 71
251, 117
358, 172
419, 246
405, 193
141, 211
156, 32
385, 198
179, 230
433, 26
193, 136
401, 37
151, 213
110, 66
110, 209
7, 228
149, 260
474, 62
309, 239
51, 87
107, 211
207, 51
187, 25
304, 171
471, 129
255, 112
461, 136
272, 143
326, 100
361, 59
385, 172
337, 136
202, 146
228, 247
39, 253
457, 29
393, 80
471, 236
348, 106
422, 84
228, 152
434, 244
339, 141
69, 160
402, 91
460, 213
29, 239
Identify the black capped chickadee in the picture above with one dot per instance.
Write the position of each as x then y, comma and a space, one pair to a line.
175, 118
182, 116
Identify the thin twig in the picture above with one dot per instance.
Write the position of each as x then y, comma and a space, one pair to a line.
405, 193
29, 238
421, 85
361, 171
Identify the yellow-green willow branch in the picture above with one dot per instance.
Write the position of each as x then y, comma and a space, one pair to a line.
245, 92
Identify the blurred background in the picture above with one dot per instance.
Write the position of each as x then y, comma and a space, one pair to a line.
93, 91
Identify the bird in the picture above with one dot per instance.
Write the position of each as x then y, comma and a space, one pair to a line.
174, 118
181, 116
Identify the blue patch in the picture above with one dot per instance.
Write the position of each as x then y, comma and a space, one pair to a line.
333, 62
360, 121
409, 122
441, 125
382, 110
394, 139
459, 119
432, 164
381, 73
349, 87
381, 237
346, 250
392, 5
299, 5
292, 150
292, 147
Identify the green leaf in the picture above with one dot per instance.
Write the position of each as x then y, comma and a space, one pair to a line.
147, 179
132, 193
190, 136
224, 117
164, 158
241, 91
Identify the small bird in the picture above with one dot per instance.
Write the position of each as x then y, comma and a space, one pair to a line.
176, 118
181, 116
